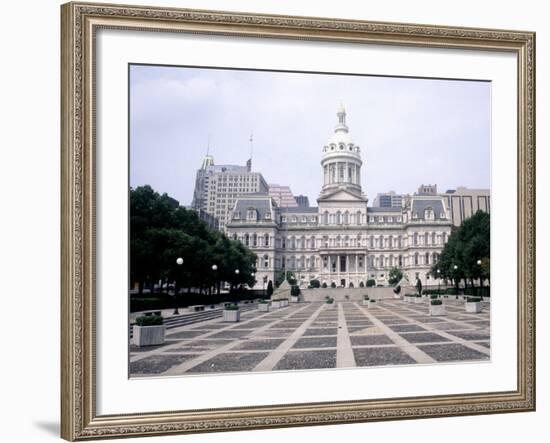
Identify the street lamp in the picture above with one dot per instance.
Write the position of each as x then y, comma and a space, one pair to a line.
480, 278
455, 267
438, 282
179, 262
214, 267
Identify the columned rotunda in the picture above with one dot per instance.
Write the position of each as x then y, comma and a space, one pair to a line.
341, 241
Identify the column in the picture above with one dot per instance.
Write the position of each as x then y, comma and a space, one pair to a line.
338, 269
347, 268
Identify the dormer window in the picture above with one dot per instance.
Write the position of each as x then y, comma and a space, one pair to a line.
251, 214
428, 214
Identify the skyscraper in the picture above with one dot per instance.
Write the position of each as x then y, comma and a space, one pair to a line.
218, 186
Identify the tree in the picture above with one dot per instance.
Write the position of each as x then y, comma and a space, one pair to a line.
371, 282
395, 276
162, 231
269, 288
315, 283
295, 290
467, 245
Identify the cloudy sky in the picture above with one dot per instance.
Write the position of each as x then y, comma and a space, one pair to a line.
411, 131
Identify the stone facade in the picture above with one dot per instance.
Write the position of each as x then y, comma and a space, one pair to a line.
342, 241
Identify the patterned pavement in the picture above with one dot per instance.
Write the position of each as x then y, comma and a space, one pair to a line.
317, 336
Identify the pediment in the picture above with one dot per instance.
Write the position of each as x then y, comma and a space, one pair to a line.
342, 195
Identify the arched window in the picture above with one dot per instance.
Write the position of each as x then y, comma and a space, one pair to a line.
426, 238
390, 242
247, 239
416, 258
266, 261
325, 218
346, 241
371, 242
415, 240
400, 261
433, 238
358, 217
427, 258
338, 218
359, 240
312, 242
346, 218
235, 236
254, 240
266, 240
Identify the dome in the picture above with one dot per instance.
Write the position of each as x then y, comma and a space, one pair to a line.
340, 137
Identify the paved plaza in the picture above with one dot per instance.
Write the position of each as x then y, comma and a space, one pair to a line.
317, 336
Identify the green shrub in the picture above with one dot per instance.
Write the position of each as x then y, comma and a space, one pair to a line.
433, 297
365, 297
371, 282
324, 285
361, 284
436, 302
231, 307
329, 300
473, 299
149, 320
372, 301
315, 283
333, 285
351, 285
262, 302
295, 290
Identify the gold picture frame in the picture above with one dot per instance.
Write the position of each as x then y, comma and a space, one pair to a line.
80, 21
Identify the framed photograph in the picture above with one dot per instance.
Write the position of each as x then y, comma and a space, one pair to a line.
277, 221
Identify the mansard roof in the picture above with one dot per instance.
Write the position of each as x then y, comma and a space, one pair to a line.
300, 210
419, 205
261, 202
382, 210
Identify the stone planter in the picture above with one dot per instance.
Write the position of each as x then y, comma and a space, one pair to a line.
473, 307
396, 296
436, 310
263, 307
366, 302
371, 304
276, 303
417, 300
148, 335
233, 315
294, 298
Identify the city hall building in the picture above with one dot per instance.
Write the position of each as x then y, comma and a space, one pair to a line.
341, 241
